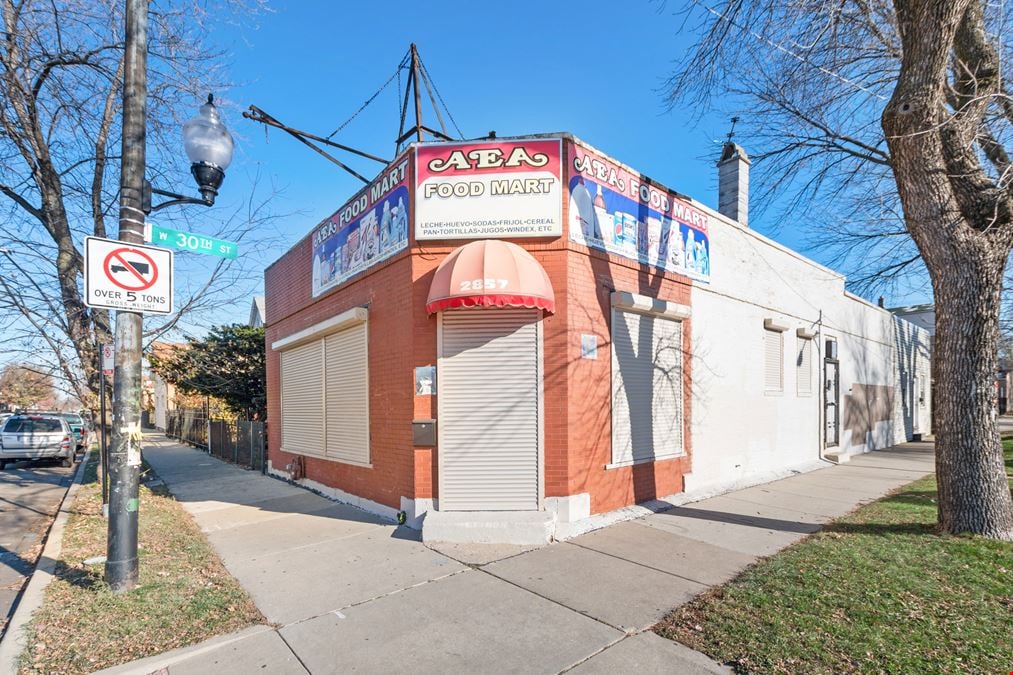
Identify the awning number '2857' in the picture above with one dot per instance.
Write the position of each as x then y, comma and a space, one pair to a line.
484, 284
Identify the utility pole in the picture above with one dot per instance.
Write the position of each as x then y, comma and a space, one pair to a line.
121, 570
416, 72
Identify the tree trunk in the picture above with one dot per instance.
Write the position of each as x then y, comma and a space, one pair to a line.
961, 224
974, 495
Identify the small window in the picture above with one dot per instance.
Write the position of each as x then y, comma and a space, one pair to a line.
804, 367
830, 350
773, 351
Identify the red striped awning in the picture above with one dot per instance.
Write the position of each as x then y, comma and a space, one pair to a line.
490, 273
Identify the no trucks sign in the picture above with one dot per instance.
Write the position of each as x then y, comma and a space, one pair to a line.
129, 277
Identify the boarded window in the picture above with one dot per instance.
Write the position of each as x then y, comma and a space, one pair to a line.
346, 411
647, 387
302, 389
804, 367
325, 397
773, 366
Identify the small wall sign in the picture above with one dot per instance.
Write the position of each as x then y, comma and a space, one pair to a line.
425, 380
589, 346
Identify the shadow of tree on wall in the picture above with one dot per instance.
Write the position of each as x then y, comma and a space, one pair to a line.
649, 282
913, 384
866, 402
869, 403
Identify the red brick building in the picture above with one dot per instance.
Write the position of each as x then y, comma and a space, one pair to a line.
506, 405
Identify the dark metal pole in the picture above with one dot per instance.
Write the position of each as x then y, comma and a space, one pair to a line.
418, 96
125, 454
258, 115
103, 437
404, 112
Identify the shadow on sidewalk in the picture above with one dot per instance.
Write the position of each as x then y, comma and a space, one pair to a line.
742, 519
213, 487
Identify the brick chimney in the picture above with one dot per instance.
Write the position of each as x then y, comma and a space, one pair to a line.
733, 183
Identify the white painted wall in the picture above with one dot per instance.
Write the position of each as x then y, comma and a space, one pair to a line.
923, 316
740, 433
163, 395
914, 355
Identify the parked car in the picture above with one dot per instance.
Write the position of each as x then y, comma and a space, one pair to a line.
79, 427
34, 436
87, 417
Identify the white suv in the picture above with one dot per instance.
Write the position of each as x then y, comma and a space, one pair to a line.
31, 436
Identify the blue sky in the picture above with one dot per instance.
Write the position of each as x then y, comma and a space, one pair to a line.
596, 69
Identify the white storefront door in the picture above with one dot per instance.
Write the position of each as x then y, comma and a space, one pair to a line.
489, 393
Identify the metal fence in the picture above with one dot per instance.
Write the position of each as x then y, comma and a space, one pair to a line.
189, 426
241, 442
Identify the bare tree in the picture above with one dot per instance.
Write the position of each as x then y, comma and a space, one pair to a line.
890, 122
61, 71
23, 386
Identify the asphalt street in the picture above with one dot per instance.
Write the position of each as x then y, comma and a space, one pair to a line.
30, 495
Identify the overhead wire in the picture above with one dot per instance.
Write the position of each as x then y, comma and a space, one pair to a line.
789, 52
397, 75
450, 115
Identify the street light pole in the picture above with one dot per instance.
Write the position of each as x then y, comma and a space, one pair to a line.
121, 570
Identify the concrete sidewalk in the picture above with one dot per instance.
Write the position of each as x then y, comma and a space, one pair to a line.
345, 591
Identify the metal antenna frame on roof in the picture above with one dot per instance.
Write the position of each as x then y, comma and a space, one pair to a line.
416, 73
731, 132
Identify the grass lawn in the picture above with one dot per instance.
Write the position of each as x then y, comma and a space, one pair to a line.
185, 594
877, 591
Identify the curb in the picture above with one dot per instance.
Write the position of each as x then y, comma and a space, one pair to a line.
13, 642
150, 665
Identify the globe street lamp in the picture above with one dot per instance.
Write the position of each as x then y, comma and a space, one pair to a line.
209, 146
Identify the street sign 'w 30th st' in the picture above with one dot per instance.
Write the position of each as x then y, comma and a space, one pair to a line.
131, 277
185, 241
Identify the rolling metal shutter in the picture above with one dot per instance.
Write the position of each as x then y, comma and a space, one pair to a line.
346, 409
489, 398
773, 357
647, 387
302, 404
805, 367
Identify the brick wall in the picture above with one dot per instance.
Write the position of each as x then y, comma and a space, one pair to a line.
592, 276
384, 290
402, 336
552, 256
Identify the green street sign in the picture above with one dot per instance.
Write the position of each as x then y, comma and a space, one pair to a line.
198, 243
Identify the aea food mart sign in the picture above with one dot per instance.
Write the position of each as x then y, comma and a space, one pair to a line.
129, 277
493, 189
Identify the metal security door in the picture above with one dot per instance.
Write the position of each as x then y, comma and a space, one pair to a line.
489, 398
831, 402
916, 404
